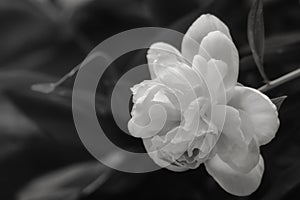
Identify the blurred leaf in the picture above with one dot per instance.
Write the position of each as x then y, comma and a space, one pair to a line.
30, 146
10, 115
21, 79
287, 185
167, 11
83, 180
276, 43
72, 5
282, 40
256, 35
68, 183
278, 101
16, 129
279, 60
27, 148
32, 40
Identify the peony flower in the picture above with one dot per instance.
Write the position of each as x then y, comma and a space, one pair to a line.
194, 112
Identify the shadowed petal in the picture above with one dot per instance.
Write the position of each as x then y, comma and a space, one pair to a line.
232, 146
234, 182
159, 157
158, 117
259, 109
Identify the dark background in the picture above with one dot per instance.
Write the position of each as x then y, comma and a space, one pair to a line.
41, 156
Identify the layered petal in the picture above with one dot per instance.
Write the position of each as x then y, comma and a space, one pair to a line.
182, 79
177, 72
257, 109
213, 73
216, 45
232, 147
162, 53
234, 182
155, 109
197, 31
158, 148
198, 131
189, 144
162, 159
157, 119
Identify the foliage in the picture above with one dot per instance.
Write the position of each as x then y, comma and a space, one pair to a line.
41, 154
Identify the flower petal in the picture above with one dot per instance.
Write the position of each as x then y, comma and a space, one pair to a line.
155, 148
158, 117
234, 182
216, 45
182, 79
213, 73
232, 147
200, 65
177, 70
259, 109
197, 31
164, 52
155, 109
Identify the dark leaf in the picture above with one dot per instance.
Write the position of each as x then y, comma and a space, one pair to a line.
256, 35
278, 101
68, 183
30, 39
22, 79
279, 60
15, 128
168, 11
29, 147
82, 180
287, 184
72, 5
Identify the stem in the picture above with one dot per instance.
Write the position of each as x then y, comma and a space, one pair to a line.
95, 184
47, 88
279, 81
67, 76
50, 87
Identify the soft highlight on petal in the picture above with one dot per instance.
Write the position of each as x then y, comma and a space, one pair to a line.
212, 73
216, 45
158, 117
182, 79
197, 31
164, 52
232, 147
216, 72
234, 182
259, 109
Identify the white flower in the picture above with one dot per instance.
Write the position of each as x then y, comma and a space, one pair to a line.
190, 114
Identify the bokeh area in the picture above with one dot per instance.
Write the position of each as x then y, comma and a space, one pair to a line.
41, 155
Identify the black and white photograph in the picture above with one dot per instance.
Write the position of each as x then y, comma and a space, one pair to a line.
149, 99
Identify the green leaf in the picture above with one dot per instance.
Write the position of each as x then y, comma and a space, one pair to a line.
256, 35
278, 101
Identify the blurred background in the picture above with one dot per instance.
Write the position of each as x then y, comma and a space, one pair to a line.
41, 155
